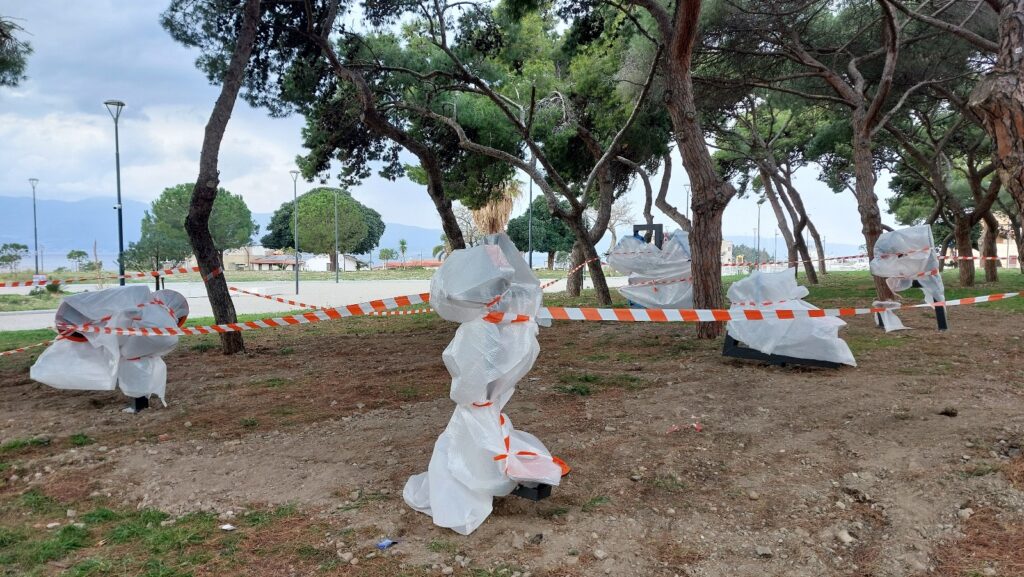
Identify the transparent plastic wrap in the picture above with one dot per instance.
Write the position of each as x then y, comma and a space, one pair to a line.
805, 338
99, 362
658, 278
480, 455
907, 255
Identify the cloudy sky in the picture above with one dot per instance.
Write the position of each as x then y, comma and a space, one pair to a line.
54, 126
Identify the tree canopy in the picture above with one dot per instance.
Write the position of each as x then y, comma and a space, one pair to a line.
164, 240
279, 231
14, 52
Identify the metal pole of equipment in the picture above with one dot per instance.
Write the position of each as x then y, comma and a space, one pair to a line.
114, 107
337, 257
295, 223
35, 229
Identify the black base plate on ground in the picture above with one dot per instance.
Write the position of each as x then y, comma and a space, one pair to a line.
537, 493
733, 348
139, 403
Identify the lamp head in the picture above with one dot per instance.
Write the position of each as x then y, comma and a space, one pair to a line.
114, 108
295, 175
33, 182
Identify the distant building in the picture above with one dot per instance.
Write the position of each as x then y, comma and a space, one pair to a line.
727, 251
275, 262
322, 263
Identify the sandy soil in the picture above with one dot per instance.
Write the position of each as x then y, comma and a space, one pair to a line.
794, 472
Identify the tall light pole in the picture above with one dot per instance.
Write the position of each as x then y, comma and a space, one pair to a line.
687, 187
337, 257
35, 230
775, 248
295, 223
759, 203
114, 107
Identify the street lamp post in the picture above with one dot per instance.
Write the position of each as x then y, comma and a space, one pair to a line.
775, 248
114, 107
35, 229
295, 223
759, 203
337, 257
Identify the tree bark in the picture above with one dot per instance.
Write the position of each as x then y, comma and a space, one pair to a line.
574, 284
962, 237
780, 216
818, 246
998, 100
205, 192
710, 194
551, 260
791, 200
989, 248
864, 191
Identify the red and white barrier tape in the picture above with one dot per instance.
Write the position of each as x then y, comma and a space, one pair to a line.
327, 314
134, 275
280, 300
719, 315
27, 347
569, 274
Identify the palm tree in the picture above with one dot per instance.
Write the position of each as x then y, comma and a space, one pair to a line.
493, 217
442, 250
402, 247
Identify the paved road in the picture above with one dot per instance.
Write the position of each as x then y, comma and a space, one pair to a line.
321, 293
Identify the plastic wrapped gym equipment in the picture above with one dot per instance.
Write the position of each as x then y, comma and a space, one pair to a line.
801, 338
480, 455
658, 278
100, 362
901, 258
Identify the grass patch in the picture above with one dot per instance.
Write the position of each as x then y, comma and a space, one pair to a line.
30, 553
81, 440
203, 346
36, 502
442, 546
261, 518
249, 423
19, 445
669, 483
594, 503
286, 351
40, 300
274, 382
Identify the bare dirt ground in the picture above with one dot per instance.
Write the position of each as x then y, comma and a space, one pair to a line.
794, 472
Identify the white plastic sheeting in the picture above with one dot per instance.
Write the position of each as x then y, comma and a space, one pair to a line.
905, 255
658, 278
100, 362
480, 455
902, 257
806, 338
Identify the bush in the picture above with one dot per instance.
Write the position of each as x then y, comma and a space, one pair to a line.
53, 288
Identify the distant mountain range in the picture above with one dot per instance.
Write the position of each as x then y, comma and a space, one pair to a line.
76, 225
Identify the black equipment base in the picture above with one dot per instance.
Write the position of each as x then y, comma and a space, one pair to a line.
140, 403
733, 348
537, 493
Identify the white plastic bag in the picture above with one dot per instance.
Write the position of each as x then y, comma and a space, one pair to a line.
658, 278
97, 361
480, 455
805, 338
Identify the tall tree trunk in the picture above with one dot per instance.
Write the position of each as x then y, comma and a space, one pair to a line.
780, 216
551, 260
864, 191
197, 223
944, 252
989, 248
790, 198
998, 100
710, 196
819, 247
574, 284
962, 236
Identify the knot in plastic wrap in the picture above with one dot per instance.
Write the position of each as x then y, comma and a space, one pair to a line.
488, 277
658, 278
